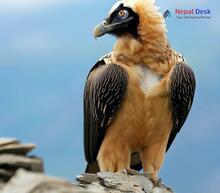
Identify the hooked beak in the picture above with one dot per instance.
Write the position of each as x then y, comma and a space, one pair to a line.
101, 29
106, 27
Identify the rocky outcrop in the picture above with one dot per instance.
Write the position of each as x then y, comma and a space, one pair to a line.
20, 173
29, 182
13, 155
106, 182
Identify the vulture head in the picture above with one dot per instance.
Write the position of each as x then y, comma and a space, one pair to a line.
140, 19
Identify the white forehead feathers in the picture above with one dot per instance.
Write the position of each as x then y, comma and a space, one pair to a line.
131, 4
125, 3
114, 7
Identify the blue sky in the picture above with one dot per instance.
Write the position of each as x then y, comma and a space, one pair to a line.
46, 51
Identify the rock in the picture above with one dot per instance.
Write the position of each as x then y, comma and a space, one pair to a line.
20, 173
106, 182
29, 182
13, 162
13, 155
17, 148
7, 141
87, 178
1, 185
5, 174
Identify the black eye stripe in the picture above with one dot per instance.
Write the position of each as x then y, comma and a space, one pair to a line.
115, 13
121, 6
127, 24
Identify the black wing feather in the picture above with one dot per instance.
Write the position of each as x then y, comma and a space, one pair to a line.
182, 89
104, 92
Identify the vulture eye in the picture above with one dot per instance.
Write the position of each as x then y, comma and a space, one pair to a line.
123, 14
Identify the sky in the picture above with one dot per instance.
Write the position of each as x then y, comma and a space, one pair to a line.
46, 51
